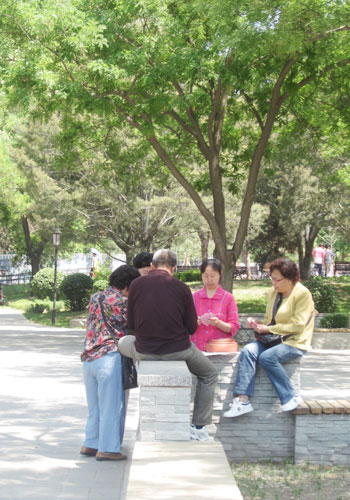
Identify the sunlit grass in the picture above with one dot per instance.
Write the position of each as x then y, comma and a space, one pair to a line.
249, 295
281, 481
18, 297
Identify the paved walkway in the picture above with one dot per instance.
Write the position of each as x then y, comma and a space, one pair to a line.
43, 412
325, 374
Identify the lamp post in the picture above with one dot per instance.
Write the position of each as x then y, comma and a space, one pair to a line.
56, 241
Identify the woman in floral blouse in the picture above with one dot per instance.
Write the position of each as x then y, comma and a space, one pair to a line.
102, 368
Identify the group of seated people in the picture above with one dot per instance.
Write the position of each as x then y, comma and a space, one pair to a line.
167, 322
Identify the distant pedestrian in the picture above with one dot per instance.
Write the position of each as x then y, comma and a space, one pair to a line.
95, 261
328, 260
103, 370
318, 254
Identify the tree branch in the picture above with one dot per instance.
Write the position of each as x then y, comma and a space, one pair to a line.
196, 127
248, 199
255, 111
320, 36
311, 78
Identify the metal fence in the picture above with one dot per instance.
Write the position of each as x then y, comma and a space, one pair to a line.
15, 279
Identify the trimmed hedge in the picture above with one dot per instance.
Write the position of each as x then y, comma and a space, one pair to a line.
191, 275
77, 289
339, 320
43, 282
325, 296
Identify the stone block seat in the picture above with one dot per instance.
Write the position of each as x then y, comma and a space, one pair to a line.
322, 430
165, 463
165, 393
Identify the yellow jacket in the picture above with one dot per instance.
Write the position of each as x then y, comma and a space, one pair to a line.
294, 317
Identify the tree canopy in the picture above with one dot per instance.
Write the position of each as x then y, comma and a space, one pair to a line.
205, 83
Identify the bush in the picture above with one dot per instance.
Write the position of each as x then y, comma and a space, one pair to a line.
335, 321
325, 296
40, 306
77, 289
102, 273
43, 282
191, 275
99, 285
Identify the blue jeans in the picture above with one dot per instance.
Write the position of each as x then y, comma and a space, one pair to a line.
106, 403
270, 359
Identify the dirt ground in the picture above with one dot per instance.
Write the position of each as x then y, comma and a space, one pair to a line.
287, 481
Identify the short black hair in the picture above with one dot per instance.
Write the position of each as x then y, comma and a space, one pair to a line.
123, 276
143, 259
214, 263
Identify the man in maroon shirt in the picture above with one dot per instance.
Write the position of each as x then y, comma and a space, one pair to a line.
162, 315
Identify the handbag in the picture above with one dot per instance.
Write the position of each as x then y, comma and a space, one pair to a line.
129, 372
270, 339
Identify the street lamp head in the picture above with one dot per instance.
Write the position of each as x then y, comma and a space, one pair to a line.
56, 237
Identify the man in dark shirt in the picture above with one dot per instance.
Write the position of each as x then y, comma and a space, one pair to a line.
161, 312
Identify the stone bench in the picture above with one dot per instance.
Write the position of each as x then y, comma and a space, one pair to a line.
193, 470
267, 433
165, 463
322, 432
165, 393
317, 432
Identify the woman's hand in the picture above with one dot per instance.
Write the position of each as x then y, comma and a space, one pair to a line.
262, 329
221, 325
214, 321
251, 322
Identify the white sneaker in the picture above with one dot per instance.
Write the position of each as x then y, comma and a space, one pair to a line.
292, 403
238, 408
199, 434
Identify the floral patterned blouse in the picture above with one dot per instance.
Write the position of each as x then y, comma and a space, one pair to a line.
98, 340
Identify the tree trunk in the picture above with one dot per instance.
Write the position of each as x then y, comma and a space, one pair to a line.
34, 255
246, 260
204, 237
35, 262
228, 268
305, 251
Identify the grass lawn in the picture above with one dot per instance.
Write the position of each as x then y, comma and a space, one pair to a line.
249, 295
287, 481
18, 297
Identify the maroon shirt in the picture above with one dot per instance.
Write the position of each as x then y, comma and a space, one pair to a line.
161, 312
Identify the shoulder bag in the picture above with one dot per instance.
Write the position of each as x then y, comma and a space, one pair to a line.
270, 339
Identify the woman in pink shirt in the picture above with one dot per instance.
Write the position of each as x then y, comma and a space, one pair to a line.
216, 309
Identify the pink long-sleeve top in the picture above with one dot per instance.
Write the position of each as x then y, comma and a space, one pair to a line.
223, 306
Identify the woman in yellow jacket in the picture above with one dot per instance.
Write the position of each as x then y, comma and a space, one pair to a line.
290, 313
